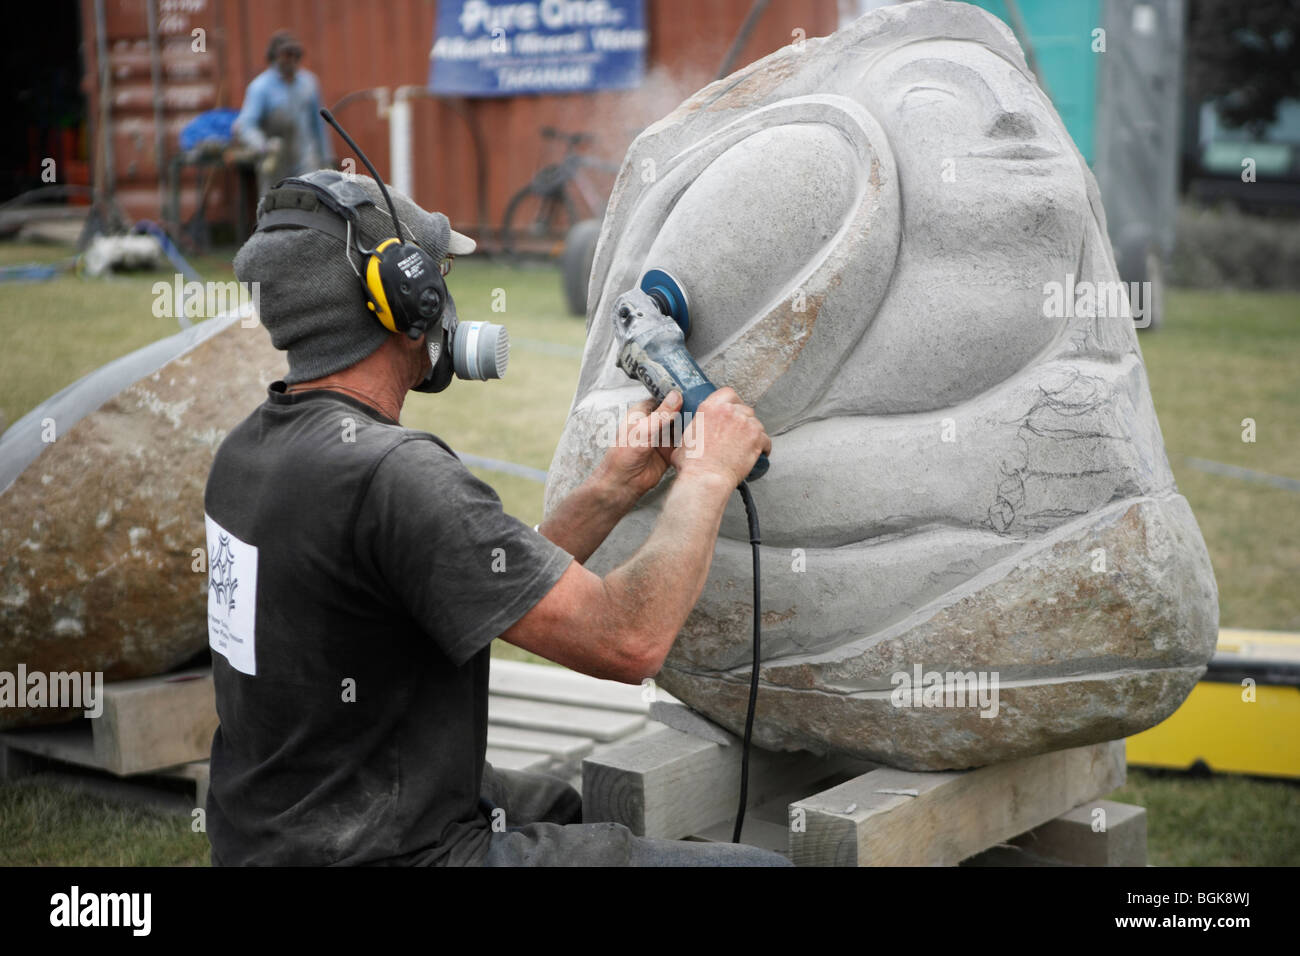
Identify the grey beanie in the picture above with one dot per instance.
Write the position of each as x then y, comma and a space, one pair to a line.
309, 297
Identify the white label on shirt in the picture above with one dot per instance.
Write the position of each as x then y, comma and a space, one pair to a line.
232, 597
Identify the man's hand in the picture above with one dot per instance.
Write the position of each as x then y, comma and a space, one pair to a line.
724, 438
622, 626
643, 451
631, 468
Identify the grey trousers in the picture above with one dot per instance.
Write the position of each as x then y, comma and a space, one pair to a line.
541, 815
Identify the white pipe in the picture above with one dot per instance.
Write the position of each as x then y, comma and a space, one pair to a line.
399, 142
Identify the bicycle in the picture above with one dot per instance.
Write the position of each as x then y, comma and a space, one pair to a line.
546, 206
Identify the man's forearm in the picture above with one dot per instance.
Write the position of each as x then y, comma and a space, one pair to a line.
587, 515
652, 593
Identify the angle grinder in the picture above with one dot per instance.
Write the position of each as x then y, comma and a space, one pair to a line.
651, 323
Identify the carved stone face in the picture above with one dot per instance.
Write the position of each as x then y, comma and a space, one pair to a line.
866, 228
994, 205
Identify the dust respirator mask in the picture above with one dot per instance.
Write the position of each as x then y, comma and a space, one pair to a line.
470, 350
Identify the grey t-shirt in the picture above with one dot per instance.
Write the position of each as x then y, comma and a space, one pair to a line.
357, 574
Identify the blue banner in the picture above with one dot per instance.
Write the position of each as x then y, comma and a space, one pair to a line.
497, 48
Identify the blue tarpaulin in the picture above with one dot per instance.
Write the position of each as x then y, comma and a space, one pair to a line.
485, 48
212, 126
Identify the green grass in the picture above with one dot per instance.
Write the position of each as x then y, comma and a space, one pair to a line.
57, 331
1224, 357
1216, 821
1221, 357
43, 824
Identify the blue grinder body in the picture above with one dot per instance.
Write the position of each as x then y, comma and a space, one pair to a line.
653, 350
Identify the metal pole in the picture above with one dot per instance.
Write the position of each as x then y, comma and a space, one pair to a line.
155, 76
105, 100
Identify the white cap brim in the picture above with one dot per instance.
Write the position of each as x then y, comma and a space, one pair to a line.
460, 245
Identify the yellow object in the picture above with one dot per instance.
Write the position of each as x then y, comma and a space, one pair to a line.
375, 286
1243, 717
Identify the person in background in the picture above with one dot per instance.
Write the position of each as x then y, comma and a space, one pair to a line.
280, 117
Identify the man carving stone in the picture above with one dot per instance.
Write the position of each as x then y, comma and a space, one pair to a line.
364, 572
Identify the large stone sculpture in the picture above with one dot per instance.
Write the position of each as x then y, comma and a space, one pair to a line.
101, 508
896, 254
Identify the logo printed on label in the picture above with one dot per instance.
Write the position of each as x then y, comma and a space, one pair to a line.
232, 597
221, 579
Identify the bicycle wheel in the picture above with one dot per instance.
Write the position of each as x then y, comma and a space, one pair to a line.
532, 216
575, 264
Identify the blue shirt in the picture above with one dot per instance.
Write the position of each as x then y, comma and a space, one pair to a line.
270, 103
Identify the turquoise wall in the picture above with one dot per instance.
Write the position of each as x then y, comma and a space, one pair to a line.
1061, 34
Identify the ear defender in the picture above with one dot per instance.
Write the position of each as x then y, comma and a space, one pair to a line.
404, 287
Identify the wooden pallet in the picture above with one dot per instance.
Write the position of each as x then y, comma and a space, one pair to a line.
634, 768
146, 725
836, 812
541, 718
152, 727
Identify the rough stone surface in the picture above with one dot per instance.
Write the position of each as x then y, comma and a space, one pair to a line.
867, 227
98, 534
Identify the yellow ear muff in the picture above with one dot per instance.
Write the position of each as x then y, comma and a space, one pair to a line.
374, 285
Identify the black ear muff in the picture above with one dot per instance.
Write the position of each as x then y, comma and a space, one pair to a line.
404, 287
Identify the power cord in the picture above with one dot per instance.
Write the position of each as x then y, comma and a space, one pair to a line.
751, 514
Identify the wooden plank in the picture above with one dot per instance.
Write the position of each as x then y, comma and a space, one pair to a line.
563, 746
563, 718
156, 722
767, 825
1097, 833
72, 749
670, 785
560, 685
900, 818
72, 742
508, 759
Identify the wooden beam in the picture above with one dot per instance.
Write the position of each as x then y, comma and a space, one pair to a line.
670, 784
563, 746
563, 718
156, 722
70, 743
507, 759
1096, 833
901, 818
